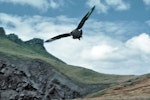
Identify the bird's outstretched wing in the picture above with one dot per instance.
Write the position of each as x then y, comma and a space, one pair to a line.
85, 18
58, 37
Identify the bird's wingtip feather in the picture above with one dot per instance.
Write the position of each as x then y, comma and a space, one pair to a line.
50, 40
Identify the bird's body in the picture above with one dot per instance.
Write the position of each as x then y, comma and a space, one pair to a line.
76, 33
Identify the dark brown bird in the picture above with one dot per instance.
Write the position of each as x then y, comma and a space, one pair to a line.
76, 33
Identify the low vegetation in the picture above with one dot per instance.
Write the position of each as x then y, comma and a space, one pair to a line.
25, 52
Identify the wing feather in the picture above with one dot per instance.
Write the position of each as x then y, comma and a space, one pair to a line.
85, 18
58, 37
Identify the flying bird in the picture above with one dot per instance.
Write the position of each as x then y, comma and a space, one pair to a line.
76, 33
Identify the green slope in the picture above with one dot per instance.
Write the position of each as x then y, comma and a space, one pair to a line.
24, 51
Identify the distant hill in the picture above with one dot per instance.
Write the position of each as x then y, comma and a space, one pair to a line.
41, 69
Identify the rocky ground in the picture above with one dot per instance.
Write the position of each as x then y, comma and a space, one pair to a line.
37, 80
34, 82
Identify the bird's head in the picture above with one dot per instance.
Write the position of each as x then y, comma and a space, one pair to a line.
77, 34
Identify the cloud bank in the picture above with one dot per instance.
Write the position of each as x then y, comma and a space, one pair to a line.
40, 4
147, 2
104, 5
101, 48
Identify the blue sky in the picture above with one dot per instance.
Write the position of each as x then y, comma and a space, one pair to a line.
137, 10
116, 37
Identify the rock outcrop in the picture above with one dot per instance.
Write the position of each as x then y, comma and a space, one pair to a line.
2, 32
14, 38
36, 42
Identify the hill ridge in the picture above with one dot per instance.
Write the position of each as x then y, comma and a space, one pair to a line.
35, 44
13, 37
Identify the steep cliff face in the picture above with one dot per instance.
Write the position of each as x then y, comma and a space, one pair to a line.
34, 80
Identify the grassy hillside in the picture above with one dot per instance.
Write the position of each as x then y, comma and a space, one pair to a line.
24, 51
135, 89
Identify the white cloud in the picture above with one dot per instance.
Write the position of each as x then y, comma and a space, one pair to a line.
104, 6
140, 43
147, 2
118, 4
101, 7
99, 52
40, 4
99, 49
